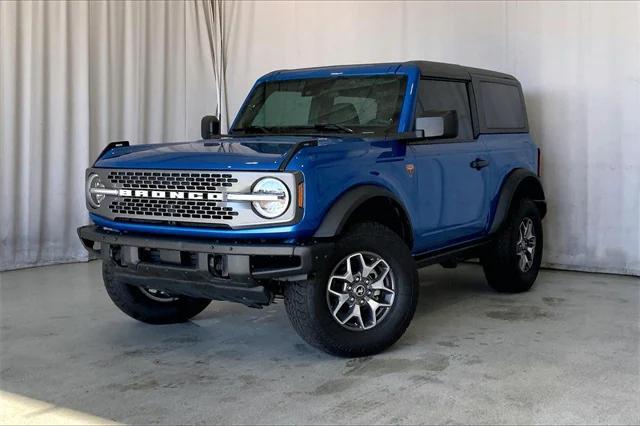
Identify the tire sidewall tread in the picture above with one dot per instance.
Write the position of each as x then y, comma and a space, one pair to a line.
500, 261
309, 313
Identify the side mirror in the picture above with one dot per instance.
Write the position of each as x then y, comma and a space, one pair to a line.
209, 127
438, 124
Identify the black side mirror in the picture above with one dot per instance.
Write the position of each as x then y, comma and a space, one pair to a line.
209, 127
438, 124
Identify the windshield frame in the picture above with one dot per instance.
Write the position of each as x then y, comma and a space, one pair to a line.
399, 125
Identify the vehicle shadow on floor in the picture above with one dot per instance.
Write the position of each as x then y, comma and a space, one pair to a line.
225, 328
441, 287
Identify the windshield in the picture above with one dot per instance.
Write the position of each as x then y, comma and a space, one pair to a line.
324, 105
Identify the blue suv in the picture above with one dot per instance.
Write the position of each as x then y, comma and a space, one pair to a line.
332, 186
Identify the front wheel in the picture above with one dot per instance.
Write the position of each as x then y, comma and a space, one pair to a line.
148, 304
362, 300
512, 262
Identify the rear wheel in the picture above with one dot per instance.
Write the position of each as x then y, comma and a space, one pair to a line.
512, 262
363, 299
150, 305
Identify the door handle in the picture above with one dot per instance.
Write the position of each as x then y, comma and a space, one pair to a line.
479, 163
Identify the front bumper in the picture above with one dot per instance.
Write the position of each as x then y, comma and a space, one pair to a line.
241, 272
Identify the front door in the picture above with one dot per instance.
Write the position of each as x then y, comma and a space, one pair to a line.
451, 172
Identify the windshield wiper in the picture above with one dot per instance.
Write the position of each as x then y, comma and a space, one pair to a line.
252, 129
332, 126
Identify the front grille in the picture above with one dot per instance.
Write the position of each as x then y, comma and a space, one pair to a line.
167, 197
196, 209
185, 181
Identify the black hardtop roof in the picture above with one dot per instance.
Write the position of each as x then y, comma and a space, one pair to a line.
427, 69
441, 69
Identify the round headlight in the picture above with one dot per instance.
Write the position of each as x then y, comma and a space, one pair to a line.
274, 207
94, 199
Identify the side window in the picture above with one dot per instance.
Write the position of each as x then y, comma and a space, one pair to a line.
502, 106
439, 95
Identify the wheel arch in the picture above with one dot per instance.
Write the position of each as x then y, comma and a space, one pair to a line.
518, 184
366, 203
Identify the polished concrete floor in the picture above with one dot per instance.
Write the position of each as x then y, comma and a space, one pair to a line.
566, 352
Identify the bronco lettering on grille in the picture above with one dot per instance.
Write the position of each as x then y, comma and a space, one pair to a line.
179, 195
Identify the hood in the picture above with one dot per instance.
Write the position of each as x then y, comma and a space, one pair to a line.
234, 153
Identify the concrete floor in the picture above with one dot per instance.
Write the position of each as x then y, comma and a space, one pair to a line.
566, 352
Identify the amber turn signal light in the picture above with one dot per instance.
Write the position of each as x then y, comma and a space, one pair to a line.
301, 195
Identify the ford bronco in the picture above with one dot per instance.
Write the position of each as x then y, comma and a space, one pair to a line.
332, 186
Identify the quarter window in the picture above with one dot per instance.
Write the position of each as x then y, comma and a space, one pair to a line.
440, 95
502, 106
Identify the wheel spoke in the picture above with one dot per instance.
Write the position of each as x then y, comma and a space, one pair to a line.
378, 284
335, 293
531, 242
360, 258
529, 232
523, 230
366, 270
382, 287
523, 262
342, 299
355, 313
374, 305
348, 276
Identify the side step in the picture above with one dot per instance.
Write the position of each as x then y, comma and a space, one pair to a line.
451, 256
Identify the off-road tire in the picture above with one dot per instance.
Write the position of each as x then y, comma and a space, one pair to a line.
309, 313
500, 261
133, 302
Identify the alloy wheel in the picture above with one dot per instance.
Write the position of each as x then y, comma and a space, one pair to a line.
526, 245
360, 291
157, 295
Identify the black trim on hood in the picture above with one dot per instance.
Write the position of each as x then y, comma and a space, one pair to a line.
294, 150
118, 144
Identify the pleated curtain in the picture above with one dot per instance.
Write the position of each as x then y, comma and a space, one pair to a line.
76, 75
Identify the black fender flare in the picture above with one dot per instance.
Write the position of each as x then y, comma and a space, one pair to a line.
513, 183
340, 211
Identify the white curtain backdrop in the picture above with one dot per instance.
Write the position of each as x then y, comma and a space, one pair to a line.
579, 63
75, 76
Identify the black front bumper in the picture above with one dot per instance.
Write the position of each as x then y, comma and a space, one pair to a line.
241, 272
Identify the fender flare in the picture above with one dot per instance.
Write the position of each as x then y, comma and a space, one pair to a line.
510, 187
340, 211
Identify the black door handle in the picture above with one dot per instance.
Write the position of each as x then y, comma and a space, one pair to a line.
479, 163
